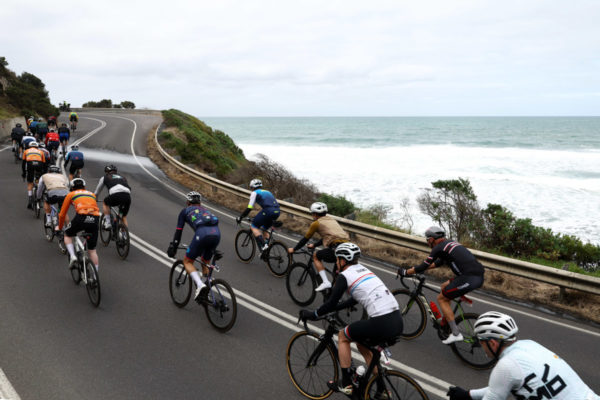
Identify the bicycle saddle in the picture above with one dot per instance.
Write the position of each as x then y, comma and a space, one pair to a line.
218, 255
277, 224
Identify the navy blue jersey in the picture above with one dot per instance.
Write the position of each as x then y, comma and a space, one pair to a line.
196, 217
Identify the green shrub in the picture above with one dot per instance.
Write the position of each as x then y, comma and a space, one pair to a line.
337, 205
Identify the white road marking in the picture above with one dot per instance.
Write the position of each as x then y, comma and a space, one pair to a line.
7, 392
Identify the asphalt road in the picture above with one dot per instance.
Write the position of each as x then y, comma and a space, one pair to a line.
137, 344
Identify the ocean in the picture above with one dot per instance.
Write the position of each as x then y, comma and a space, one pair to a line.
543, 168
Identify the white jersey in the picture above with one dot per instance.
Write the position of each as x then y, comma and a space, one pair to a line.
528, 370
366, 288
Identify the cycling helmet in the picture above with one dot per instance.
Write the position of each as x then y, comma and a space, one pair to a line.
54, 169
74, 147
40, 119
495, 325
255, 184
110, 168
18, 125
193, 197
348, 251
63, 124
318, 208
77, 183
435, 232
41, 145
33, 144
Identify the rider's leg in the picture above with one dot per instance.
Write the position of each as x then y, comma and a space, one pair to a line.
48, 211
258, 236
69, 246
93, 257
345, 355
106, 211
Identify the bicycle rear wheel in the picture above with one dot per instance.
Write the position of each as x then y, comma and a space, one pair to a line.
122, 241
301, 283
245, 247
311, 363
48, 231
469, 349
413, 314
221, 307
105, 234
62, 247
93, 283
180, 284
36, 206
278, 259
397, 385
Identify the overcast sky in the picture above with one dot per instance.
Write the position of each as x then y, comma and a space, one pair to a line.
310, 58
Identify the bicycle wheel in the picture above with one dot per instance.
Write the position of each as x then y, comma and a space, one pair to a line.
311, 363
48, 231
469, 349
62, 247
398, 386
278, 259
221, 307
413, 314
180, 284
301, 283
122, 241
76, 273
105, 234
36, 207
93, 283
245, 247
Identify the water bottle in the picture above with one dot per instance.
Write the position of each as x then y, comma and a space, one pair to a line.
385, 356
360, 371
435, 310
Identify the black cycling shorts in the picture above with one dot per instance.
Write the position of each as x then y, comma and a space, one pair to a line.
327, 254
87, 223
121, 199
56, 200
376, 330
461, 285
75, 165
34, 168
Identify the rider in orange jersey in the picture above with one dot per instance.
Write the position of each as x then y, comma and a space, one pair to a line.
33, 164
86, 219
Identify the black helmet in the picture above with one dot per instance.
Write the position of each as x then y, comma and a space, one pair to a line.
193, 197
18, 125
54, 169
110, 168
75, 147
77, 183
435, 232
63, 124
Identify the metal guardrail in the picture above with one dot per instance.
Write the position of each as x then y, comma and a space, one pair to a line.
541, 273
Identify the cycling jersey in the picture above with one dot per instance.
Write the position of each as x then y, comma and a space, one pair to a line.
84, 202
73, 117
365, 288
114, 183
456, 256
55, 183
206, 231
26, 140
264, 198
528, 370
328, 228
17, 134
33, 126
52, 137
34, 154
64, 133
76, 157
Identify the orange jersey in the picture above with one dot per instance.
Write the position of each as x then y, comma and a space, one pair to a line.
84, 202
34, 154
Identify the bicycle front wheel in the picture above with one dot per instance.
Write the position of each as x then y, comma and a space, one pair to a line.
37, 207
278, 259
105, 234
48, 231
122, 241
221, 307
469, 349
413, 314
180, 284
93, 283
76, 272
397, 386
311, 363
244, 245
301, 283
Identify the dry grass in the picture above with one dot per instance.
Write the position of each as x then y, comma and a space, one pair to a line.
575, 303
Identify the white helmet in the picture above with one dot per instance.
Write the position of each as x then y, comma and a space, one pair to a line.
34, 144
496, 325
255, 184
318, 208
348, 251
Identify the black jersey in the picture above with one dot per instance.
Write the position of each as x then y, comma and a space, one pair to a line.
456, 256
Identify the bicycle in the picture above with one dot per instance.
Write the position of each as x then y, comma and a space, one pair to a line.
312, 360
73, 126
415, 306
275, 254
50, 231
220, 305
118, 232
85, 271
37, 204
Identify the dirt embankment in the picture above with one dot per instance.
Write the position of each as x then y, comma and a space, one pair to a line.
570, 302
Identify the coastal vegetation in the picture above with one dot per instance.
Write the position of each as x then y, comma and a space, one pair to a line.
107, 103
23, 95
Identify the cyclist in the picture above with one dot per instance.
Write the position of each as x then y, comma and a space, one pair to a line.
55, 184
29, 121
52, 140
525, 368
385, 320
468, 271
41, 129
44, 150
16, 135
86, 218
32, 164
264, 219
119, 194
76, 158
33, 126
206, 239
64, 133
52, 121
331, 234
25, 141
73, 118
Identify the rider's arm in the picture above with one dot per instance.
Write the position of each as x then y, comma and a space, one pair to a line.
63, 209
336, 294
99, 187
311, 231
40, 189
504, 378
67, 159
179, 228
432, 261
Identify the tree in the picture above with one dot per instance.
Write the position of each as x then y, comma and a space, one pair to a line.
452, 204
127, 104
